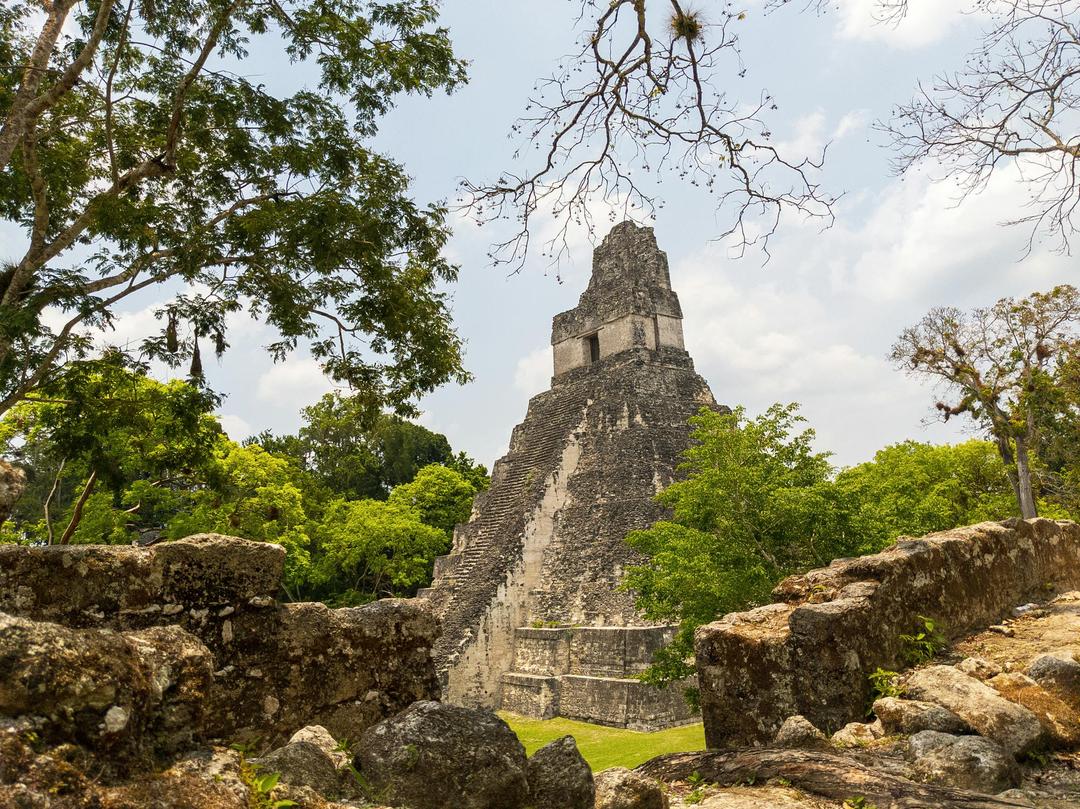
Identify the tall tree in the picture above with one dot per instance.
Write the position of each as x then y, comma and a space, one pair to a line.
994, 361
135, 154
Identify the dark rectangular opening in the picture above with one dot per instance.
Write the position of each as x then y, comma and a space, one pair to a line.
594, 347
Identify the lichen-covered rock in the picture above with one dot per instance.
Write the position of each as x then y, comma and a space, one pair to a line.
857, 734
1059, 673
372, 661
963, 762
302, 764
1059, 720
433, 755
1012, 726
559, 778
320, 736
620, 788
126, 696
797, 732
979, 668
12, 485
909, 716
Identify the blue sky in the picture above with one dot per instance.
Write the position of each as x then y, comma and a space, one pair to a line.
813, 325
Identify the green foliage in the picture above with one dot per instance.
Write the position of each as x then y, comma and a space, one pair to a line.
356, 452
914, 489
440, 496
883, 683
758, 504
923, 643
171, 174
373, 548
858, 802
754, 507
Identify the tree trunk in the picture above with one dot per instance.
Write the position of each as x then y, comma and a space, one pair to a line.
1023, 479
828, 775
76, 515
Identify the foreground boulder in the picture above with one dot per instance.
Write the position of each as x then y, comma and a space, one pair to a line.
1012, 726
302, 764
1059, 673
909, 716
798, 733
128, 697
433, 755
620, 788
964, 762
1059, 720
277, 667
559, 778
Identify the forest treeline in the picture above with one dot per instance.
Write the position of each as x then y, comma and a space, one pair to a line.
361, 500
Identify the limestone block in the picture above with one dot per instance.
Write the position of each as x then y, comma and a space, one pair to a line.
1012, 726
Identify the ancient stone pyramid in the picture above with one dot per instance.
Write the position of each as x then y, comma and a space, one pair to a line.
533, 617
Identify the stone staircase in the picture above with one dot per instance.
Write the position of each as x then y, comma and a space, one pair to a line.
468, 577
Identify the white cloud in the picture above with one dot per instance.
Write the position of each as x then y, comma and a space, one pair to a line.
811, 133
235, 427
290, 385
533, 371
926, 22
817, 323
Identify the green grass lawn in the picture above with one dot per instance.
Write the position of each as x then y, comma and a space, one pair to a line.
605, 747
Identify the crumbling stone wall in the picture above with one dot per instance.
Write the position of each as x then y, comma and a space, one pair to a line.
811, 651
276, 667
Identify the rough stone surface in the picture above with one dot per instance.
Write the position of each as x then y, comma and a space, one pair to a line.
321, 738
546, 541
798, 732
1059, 720
371, 661
127, 697
620, 788
1059, 673
979, 668
964, 762
811, 651
856, 734
302, 764
12, 485
1012, 726
559, 778
433, 755
909, 716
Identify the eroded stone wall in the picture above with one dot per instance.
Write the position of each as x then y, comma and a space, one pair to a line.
811, 652
276, 667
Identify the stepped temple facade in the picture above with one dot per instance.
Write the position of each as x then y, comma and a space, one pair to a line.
534, 619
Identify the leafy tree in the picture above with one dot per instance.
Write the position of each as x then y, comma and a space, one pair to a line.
135, 154
441, 496
257, 497
754, 507
994, 361
356, 452
107, 424
371, 549
914, 489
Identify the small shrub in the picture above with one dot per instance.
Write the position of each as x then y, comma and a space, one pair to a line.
924, 643
883, 683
